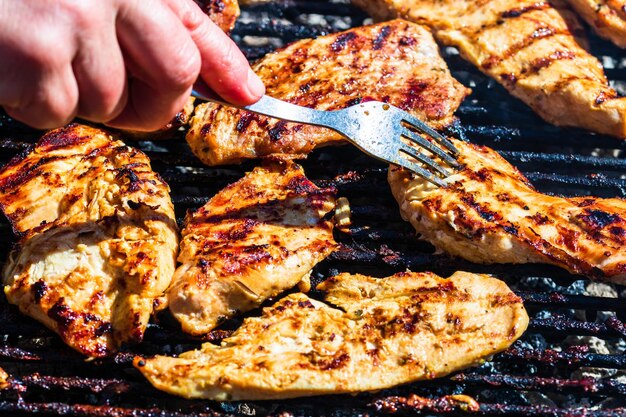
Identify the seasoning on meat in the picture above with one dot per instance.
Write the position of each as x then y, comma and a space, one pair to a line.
396, 62
530, 48
97, 237
489, 213
606, 17
256, 238
382, 332
223, 13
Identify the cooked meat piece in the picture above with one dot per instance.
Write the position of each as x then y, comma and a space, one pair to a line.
382, 332
97, 237
253, 240
607, 17
223, 12
489, 213
396, 62
528, 47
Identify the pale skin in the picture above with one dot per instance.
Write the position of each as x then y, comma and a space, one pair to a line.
130, 64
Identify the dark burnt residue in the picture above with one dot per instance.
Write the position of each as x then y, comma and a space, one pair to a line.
301, 186
278, 131
379, 41
599, 219
62, 314
244, 121
338, 361
39, 290
342, 41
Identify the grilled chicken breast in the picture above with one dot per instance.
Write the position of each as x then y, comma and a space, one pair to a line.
489, 213
607, 17
97, 237
253, 240
397, 62
382, 332
223, 13
528, 47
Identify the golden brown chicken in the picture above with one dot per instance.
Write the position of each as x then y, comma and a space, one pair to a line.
382, 332
97, 237
255, 239
607, 17
489, 213
528, 47
223, 13
397, 62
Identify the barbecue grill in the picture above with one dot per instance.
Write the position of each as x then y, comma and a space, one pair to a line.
570, 362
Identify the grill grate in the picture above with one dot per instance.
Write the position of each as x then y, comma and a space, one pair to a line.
570, 362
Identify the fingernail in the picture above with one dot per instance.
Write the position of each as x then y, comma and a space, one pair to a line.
255, 85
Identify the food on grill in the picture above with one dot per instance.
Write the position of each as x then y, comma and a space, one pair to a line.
97, 237
489, 213
396, 62
223, 12
253, 240
528, 47
382, 332
607, 17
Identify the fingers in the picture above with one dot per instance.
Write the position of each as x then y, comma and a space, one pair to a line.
99, 68
162, 60
53, 99
224, 67
37, 85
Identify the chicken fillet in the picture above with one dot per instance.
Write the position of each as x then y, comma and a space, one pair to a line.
396, 62
382, 332
97, 237
528, 46
489, 213
255, 239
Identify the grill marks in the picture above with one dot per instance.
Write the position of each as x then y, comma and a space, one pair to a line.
329, 73
488, 214
253, 240
97, 238
382, 332
528, 46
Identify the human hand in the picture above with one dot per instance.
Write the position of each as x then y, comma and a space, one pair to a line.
128, 63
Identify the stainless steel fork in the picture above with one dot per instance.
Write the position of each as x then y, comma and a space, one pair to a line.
374, 127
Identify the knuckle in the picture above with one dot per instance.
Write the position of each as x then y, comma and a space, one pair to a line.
184, 69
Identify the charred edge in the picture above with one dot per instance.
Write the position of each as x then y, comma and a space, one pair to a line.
244, 121
25, 173
605, 96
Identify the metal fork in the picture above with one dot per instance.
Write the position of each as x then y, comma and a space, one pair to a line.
374, 127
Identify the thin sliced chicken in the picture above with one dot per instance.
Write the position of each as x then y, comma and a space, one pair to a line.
382, 332
255, 239
489, 213
529, 47
98, 238
396, 62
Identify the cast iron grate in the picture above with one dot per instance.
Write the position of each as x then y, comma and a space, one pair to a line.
570, 362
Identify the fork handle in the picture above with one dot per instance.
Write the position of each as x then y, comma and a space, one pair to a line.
272, 107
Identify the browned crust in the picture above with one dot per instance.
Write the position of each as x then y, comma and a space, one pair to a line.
332, 72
